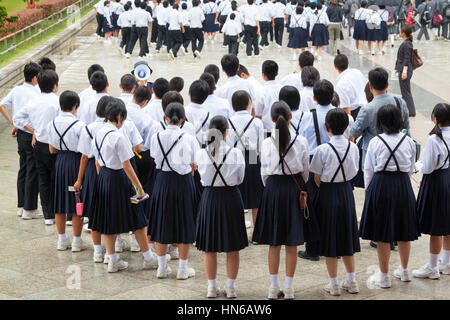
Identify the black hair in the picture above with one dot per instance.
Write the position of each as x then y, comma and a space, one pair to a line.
389, 119
270, 69
243, 70
336, 101
369, 94
240, 100
291, 96
106, 2
93, 68
199, 91
364, 4
407, 30
209, 79
313, 6
143, 5
99, 81
232, 16
176, 83
114, 109
441, 112
175, 6
47, 80
305, 59
379, 78
217, 128
214, 70
169, 97
175, 112
195, 3
141, 94
101, 106
137, 3
319, 6
250, 2
323, 91
336, 121
31, 70
310, 76
68, 99
165, 4
126, 7
127, 82
184, 6
281, 114
341, 62
233, 5
299, 10
160, 87
47, 64
230, 64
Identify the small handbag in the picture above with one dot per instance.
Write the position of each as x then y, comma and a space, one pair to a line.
416, 60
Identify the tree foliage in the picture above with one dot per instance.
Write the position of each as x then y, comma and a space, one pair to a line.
4, 17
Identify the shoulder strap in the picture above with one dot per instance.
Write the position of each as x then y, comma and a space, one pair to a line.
61, 137
341, 162
89, 133
282, 161
297, 128
240, 135
392, 155
218, 167
448, 153
203, 123
101, 145
162, 125
316, 127
166, 154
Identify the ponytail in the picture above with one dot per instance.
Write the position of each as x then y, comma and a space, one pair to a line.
281, 114
441, 112
175, 112
217, 128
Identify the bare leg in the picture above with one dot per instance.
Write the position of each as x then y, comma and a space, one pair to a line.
254, 215
161, 249
291, 260
183, 251
60, 221
96, 238
77, 225
446, 243
274, 259
210, 260
384, 254
110, 243
435, 244
232, 264
404, 249
141, 238
332, 266
349, 262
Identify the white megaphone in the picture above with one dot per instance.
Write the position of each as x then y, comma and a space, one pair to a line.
142, 71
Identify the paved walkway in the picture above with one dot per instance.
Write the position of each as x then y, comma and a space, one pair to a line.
31, 268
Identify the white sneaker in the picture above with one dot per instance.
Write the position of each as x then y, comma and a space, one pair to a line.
334, 290
378, 280
184, 274
134, 246
350, 287
163, 273
402, 274
197, 54
275, 294
319, 58
68, 223
261, 48
248, 224
373, 52
361, 52
278, 46
30, 214
19, 212
426, 272
151, 264
79, 246
127, 55
212, 292
294, 57
49, 222
106, 259
117, 266
99, 257
85, 220
63, 245
171, 55
121, 246
173, 252
288, 293
230, 293
86, 228
444, 269
148, 55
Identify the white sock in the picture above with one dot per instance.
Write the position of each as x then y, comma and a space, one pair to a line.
433, 260
445, 257
119, 239
288, 282
98, 248
392, 39
162, 261
212, 283
386, 275
274, 281
147, 255
76, 239
62, 237
182, 264
152, 245
334, 281
114, 257
351, 276
230, 283
133, 237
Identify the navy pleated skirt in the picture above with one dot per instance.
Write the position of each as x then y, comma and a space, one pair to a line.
360, 30
209, 24
372, 34
433, 203
389, 212
336, 215
87, 191
319, 35
172, 208
252, 187
280, 219
66, 169
198, 185
382, 33
114, 19
106, 27
111, 211
146, 172
221, 222
298, 38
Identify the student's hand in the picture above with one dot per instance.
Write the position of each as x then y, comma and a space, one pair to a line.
33, 140
140, 192
77, 186
420, 183
194, 166
14, 132
404, 76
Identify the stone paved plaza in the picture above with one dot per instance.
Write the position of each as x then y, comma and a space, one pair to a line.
31, 268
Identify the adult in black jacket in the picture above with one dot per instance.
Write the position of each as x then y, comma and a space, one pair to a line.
403, 66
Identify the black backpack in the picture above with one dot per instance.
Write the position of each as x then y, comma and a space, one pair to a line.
447, 11
425, 17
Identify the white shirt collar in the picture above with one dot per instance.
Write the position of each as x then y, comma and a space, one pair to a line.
173, 127
339, 138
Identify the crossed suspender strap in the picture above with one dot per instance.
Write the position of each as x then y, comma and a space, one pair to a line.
316, 127
165, 154
239, 136
89, 133
218, 167
61, 137
101, 145
392, 152
297, 128
341, 162
448, 154
282, 162
162, 125
203, 123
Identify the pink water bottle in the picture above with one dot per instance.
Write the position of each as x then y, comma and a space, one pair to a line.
79, 206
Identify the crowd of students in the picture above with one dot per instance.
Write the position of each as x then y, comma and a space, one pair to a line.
174, 174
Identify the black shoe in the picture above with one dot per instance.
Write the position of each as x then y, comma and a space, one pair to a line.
373, 244
307, 256
338, 51
393, 244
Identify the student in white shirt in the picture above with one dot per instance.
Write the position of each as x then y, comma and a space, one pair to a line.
174, 199
232, 29
432, 202
155, 6
295, 79
373, 24
216, 106
187, 37
309, 76
284, 170
153, 108
221, 223
35, 117
210, 26
334, 165
98, 8
223, 10
116, 9
300, 118
175, 31
196, 19
270, 95
142, 18
337, 103
27, 177
298, 35
124, 22
257, 87
266, 21
279, 10
360, 29
389, 163
88, 93
127, 86
87, 112
107, 20
163, 19
196, 113
319, 30
250, 13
